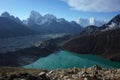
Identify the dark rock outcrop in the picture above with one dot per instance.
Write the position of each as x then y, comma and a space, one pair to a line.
91, 29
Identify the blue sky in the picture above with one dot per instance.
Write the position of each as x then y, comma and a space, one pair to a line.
68, 9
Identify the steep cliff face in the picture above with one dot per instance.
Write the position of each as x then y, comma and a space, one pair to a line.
106, 44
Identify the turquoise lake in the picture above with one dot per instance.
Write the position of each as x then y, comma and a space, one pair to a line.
65, 59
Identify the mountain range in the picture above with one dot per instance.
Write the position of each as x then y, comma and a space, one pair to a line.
103, 40
50, 24
111, 25
7, 15
36, 23
13, 27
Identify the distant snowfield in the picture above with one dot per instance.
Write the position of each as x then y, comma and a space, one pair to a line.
12, 44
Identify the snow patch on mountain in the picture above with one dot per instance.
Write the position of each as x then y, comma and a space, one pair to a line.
37, 18
86, 22
48, 18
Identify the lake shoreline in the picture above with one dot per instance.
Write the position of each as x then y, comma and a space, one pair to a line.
65, 59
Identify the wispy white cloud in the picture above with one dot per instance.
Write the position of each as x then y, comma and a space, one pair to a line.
94, 5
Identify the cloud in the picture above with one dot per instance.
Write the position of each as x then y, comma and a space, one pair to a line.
94, 5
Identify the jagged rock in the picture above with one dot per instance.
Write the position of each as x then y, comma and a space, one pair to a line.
85, 74
42, 76
96, 67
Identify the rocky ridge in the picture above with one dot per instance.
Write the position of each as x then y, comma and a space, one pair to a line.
91, 73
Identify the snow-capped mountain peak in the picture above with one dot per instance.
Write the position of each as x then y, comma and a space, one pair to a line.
35, 18
16, 19
83, 22
61, 20
113, 24
91, 21
49, 16
35, 15
86, 22
5, 14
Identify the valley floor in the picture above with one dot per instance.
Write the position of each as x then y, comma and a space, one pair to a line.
18, 43
91, 73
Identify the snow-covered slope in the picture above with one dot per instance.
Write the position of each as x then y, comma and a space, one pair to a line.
36, 18
113, 23
48, 23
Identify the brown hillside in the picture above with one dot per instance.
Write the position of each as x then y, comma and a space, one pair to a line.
106, 44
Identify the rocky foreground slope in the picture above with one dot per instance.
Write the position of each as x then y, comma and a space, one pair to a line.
92, 73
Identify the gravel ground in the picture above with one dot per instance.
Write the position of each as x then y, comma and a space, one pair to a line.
91, 73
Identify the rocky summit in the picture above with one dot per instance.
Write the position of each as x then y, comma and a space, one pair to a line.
92, 73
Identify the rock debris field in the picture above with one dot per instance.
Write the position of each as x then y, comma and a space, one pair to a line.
91, 73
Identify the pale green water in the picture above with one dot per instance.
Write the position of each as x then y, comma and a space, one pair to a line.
65, 59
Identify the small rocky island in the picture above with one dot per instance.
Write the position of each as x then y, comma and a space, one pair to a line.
91, 73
